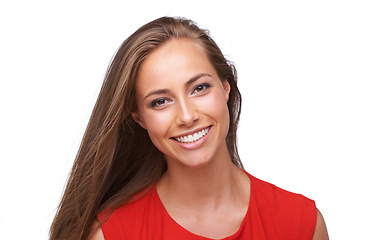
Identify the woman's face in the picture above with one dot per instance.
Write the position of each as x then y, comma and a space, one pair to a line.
182, 104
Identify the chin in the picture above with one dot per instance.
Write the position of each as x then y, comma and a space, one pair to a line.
190, 161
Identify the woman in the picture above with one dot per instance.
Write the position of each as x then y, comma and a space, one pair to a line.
159, 159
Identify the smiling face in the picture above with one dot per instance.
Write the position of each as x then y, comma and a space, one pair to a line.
182, 104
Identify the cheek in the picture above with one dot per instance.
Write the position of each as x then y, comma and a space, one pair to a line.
216, 105
157, 125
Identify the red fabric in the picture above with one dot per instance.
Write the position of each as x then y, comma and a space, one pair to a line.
273, 213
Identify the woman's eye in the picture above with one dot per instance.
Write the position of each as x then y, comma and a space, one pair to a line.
201, 88
159, 102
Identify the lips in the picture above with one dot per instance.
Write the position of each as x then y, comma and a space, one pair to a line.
192, 137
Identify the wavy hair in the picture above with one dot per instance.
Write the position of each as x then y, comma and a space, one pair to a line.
116, 159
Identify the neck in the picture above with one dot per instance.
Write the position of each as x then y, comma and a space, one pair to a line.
209, 200
201, 187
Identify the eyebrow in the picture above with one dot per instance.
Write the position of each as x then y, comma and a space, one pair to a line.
189, 82
195, 78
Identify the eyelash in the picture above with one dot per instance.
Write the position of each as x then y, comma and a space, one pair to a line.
155, 103
204, 85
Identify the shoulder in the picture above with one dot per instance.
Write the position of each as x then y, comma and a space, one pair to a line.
270, 194
134, 207
96, 232
128, 218
289, 212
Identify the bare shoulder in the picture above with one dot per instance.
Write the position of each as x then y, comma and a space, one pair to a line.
96, 233
321, 232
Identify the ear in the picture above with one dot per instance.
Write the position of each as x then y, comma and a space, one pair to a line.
136, 116
226, 86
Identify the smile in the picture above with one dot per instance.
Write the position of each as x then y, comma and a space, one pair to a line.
194, 137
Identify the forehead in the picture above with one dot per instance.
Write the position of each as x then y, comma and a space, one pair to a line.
175, 60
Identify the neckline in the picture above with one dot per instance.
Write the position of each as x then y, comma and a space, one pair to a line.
196, 236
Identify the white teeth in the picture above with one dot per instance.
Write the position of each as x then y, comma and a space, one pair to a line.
194, 137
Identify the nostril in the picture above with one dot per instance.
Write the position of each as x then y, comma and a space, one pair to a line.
187, 114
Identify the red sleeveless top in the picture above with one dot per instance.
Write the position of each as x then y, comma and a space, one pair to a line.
273, 213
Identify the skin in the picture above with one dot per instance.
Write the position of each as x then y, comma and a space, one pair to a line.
190, 97
178, 93
320, 232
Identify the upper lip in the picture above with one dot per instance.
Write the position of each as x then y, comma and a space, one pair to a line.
191, 132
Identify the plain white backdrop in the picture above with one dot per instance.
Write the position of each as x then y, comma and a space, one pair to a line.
302, 75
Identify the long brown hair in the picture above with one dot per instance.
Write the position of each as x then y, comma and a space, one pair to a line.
116, 159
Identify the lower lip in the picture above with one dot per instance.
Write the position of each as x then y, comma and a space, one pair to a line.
195, 144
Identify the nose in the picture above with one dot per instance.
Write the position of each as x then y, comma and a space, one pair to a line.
186, 113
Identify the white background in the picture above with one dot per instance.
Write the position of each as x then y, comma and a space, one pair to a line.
302, 74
